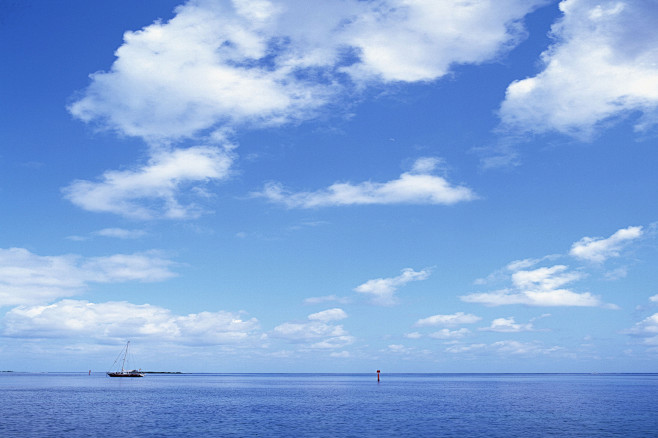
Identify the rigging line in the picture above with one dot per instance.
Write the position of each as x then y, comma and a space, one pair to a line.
116, 360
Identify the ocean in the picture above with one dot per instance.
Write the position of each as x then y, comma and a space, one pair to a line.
329, 405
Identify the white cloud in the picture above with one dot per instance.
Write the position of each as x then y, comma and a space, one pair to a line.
328, 315
461, 348
398, 349
522, 264
507, 325
654, 299
544, 279
505, 349
425, 165
302, 331
522, 348
120, 233
502, 274
544, 286
154, 190
647, 329
220, 64
415, 187
539, 287
382, 290
599, 249
120, 320
327, 299
450, 334
517, 265
601, 65
207, 65
127, 267
340, 354
448, 320
616, 274
334, 342
560, 297
27, 278
257, 61
421, 40
317, 332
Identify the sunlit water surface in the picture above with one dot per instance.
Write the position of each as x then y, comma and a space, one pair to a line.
329, 405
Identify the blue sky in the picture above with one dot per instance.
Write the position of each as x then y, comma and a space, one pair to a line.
279, 185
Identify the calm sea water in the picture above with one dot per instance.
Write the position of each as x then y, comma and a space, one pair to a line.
329, 405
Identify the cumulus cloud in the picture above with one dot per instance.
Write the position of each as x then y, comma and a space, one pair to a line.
220, 64
120, 233
539, 287
398, 349
598, 250
327, 299
208, 65
417, 186
462, 348
116, 233
517, 265
508, 325
504, 349
450, 334
120, 320
602, 64
448, 320
382, 290
316, 333
544, 286
127, 267
328, 315
307, 330
27, 278
617, 273
523, 348
646, 329
257, 61
154, 189
340, 354
504, 272
422, 40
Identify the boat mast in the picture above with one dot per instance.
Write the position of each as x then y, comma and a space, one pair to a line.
124, 356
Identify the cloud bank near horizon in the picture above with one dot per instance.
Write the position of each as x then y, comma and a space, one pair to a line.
27, 278
119, 320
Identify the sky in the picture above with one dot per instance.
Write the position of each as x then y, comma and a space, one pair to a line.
329, 186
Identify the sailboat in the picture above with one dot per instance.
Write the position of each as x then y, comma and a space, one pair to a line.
124, 372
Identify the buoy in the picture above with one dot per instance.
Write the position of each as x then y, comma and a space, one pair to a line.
377, 375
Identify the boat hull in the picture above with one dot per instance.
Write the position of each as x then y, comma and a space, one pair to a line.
125, 374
